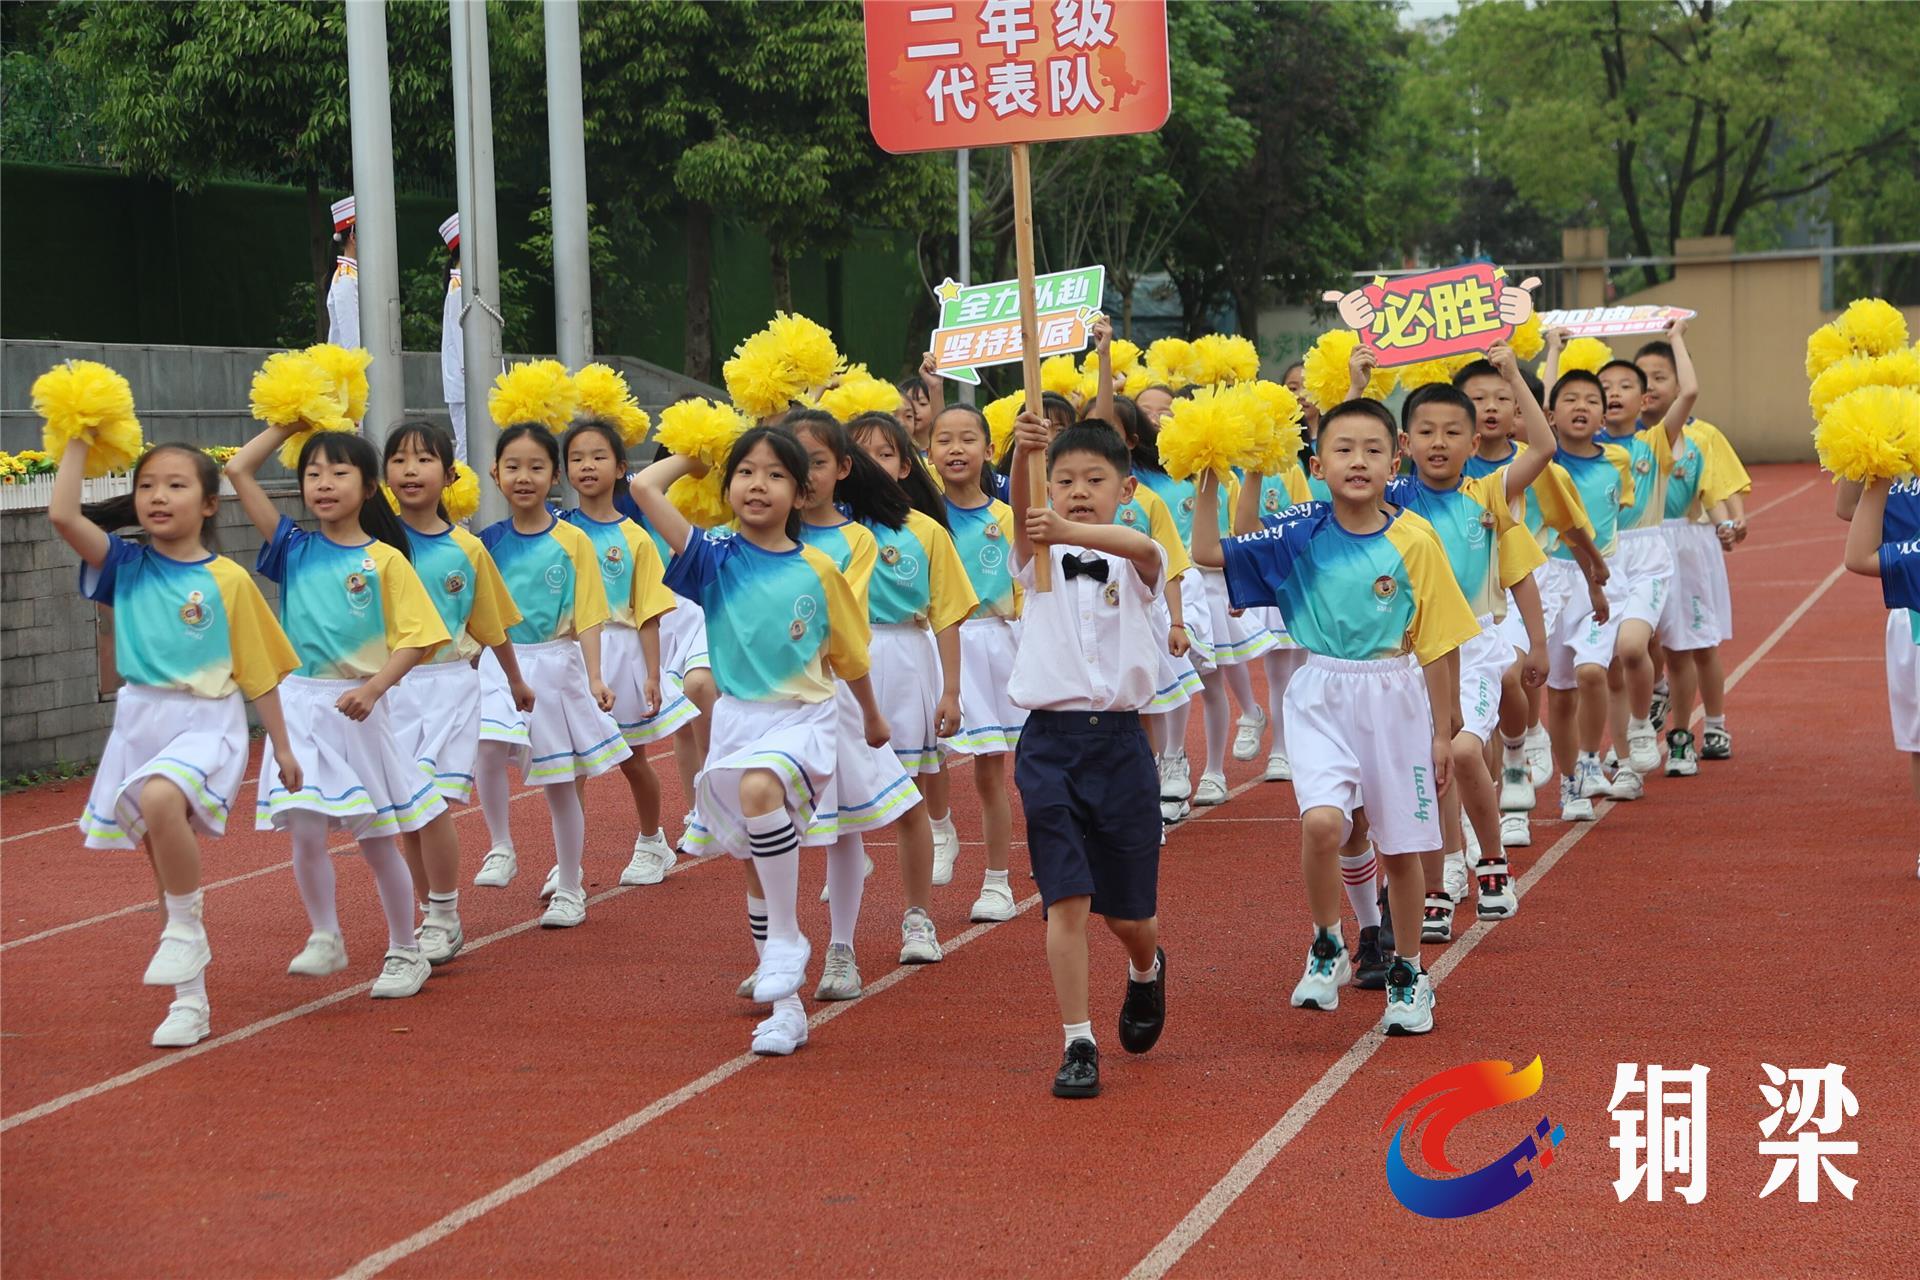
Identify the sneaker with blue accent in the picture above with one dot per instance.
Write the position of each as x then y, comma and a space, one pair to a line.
1329, 968
1589, 779
1409, 1001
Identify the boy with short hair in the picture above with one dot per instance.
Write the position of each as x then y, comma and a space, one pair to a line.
1363, 587
1088, 783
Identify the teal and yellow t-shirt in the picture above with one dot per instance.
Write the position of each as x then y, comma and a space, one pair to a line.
1177, 495
1472, 520
1146, 512
553, 577
631, 572
852, 549
918, 578
1359, 597
1605, 485
465, 587
984, 537
1288, 488
196, 626
1650, 456
780, 624
1478, 466
1685, 480
347, 609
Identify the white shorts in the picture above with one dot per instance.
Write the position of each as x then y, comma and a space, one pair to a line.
795, 741
1360, 736
1574, 638
1175, 682
1513, 627
1700, 604
435, 712
989, 722
1196, 610
683, 639
623, 667
356, 775
198, 744
500, 720
906, 677
1645, 560
568, 735
1483, 665
1903, 680
870, 788
1235, 639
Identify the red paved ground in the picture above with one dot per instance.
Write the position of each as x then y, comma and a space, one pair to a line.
1763, 912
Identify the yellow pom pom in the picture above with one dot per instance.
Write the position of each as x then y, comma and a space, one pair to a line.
860, 392
1429, 372
1900, 369
703, 502
1139, 378
604, 395
700, 429
1826, 346
1873, 327
1086, 389
538, 391
1584, 353
85, 400
1277, 414
779, 364
294, 390
1529, 339
1168, 361
461, 497
1871, 434
1124, 355
1324, 372
1000, 415
348, 367
1058, 375
1218, 358
1212, 430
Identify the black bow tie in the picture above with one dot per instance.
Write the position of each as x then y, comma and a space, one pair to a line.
1074, 567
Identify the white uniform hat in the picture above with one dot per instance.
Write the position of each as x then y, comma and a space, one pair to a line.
343, 214
450, 231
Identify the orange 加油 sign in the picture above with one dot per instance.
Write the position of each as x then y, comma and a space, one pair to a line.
944, 74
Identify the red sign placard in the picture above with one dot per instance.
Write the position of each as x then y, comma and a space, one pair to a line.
1449, 312
943, 74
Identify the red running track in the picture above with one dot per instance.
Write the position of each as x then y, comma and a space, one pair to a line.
579, 1103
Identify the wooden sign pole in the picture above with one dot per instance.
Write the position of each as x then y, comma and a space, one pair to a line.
1036, 477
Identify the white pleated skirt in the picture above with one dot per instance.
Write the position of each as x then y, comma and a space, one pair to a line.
907, 678
624, 668
1235, 639
989, 722
683, 639
568, 735
356, 774
435, 712
198, 744
795, 741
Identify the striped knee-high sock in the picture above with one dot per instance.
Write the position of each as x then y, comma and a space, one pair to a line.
1361, 872
775, 846
757, 922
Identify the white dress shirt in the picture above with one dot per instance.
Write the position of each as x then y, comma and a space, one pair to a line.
1087, 645
343, 304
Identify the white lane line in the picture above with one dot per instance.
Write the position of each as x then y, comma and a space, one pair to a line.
1221, 1196
547, 1170
1771, 503
1837, 540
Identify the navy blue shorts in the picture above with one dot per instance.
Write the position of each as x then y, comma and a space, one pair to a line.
1091, 795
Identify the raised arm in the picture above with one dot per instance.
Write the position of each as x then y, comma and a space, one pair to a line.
88, 540
1689, 384
241, 469
1525, 468
936, 387
649, 490
1103, 347
1114, 539
1550, 371
1846, 497
1867, 530
1246, 512
1029, 438
1206, 522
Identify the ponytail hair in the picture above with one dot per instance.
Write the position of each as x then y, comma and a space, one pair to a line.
1145, 446
434, 439
120, 512
918, 483
377, 517
868, 493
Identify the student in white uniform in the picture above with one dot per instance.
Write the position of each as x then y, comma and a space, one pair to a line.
343, 294
453, 355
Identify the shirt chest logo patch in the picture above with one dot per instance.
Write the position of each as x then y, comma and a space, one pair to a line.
991, 558
1271, 502
1129, 516
1642, 465
1384, 587
797, 630
555, 578
359, 590
454, 583
194, 615
1111, 594
1186, 506
614, 562
992, 532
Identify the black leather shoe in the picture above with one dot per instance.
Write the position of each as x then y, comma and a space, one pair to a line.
1386, 922
1370, 961
1144, 1011
1079, 1074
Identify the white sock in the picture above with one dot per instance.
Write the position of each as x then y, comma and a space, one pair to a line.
757, 922
1636, 725
313, 870
395, 883
1078, 1031
444, 908
1361, 874
569, 832
1134, 975
995, 877
846, 884
1716, 722
944, 822
775, 846
195, 990
184, 910
490, 780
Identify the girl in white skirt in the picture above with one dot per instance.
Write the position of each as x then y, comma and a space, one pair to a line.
361, 620
436, 708
917, 599
782, 624
989, 722
648, 704
553, 574
848, 498
193, 637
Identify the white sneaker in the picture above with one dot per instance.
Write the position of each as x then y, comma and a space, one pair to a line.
1172, 811
1516, 789
1409, 1002
1516, 830
1176, 777
946, 850
1626, 784
1643, 747
1455, 877
839, 976
783, 966
1589, 780
188, 1022
564, 910
745, 989
1497, 900
1436, 921
1247, 733
653, 857
324, 953
182, 954
1539, 759
551, 883
1328, 970
783, 1032
863, 876
994, 904
686, 825
1279, 768
1574, 807
919, 944
440, 940
498, 868
1211, 791
402, 974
